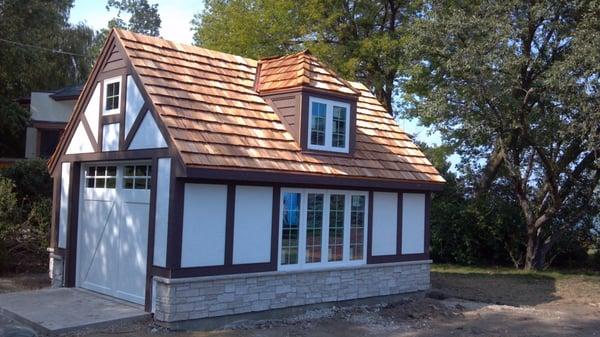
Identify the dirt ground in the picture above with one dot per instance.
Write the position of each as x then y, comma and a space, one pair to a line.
463, 302
19, 282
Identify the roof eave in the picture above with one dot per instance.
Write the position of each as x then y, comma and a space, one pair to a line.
324, 180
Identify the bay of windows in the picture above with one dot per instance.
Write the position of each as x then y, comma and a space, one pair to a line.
322, 228
328, 125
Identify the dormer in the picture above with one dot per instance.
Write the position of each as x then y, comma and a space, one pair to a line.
317, 106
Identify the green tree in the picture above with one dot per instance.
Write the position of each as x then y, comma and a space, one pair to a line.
514, 86
39, 50
364, 40
143, 18
13, 121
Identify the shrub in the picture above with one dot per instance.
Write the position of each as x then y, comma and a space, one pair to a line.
30, 178
25, 213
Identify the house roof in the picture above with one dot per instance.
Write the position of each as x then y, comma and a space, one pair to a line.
300, 69
71, 92
216, 118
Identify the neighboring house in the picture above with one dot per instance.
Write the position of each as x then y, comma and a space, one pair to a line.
202, 184
50, 112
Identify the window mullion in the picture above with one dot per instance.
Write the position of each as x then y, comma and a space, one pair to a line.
325, 235
347, 210
302, 228
328, 125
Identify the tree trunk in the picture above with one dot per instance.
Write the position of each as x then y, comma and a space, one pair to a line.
530, 254
535, 257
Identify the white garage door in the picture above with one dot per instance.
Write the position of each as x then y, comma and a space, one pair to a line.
113, 230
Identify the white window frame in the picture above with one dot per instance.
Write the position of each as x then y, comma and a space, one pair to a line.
324, 263
328, 125
120, 176
118, 109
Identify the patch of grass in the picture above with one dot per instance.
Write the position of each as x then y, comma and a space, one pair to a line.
495, 270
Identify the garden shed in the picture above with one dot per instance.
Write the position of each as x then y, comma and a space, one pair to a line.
202, 184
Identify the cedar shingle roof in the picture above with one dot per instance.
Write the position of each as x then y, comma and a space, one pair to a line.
300, 69
217, 119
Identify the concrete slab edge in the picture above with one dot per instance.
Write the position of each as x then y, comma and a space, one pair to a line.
22, 320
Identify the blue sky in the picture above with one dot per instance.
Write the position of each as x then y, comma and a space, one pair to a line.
175, 14
176, 18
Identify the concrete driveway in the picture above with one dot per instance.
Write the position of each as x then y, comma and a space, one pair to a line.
54, 311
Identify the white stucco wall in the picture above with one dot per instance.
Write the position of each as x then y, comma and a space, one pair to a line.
413, 223
385, 223
204, 213
253, 217
148, 135
110, 137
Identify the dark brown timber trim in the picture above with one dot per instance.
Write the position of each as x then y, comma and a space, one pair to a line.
275, 227
175, 225
427, 224
370, 230
229, 224
151, 230
400, 223
111, 119
221, 270
118, 155
71, 258
123, 106
322, 181
100, 114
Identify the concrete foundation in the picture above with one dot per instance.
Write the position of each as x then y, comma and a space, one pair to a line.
215, 296
56, 270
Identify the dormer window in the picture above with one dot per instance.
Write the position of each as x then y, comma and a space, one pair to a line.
112, 91
328, 125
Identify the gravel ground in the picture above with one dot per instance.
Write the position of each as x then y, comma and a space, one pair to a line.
462, 303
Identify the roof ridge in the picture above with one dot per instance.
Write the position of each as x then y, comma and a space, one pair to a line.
122, 33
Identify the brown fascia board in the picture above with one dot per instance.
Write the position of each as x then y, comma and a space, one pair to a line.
309, 180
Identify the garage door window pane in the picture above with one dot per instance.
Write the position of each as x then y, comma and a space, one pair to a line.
137, 177
101, 177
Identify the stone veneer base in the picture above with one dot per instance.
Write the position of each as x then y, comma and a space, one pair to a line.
214, 296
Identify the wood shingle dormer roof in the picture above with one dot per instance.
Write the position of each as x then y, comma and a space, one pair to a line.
211, 106
299, 70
